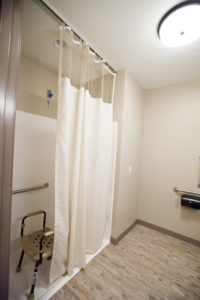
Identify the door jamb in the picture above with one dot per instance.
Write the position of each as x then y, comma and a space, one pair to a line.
10, 50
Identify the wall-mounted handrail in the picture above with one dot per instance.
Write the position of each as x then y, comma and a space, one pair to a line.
177, 190
45, 185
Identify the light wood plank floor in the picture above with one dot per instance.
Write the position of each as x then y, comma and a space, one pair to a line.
145, 264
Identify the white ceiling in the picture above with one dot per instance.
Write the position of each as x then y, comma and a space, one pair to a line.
39, 32
124, 33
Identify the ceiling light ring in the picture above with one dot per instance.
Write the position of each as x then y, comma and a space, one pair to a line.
180, 25
174, 8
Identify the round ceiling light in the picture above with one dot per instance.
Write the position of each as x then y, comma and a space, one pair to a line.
181, 24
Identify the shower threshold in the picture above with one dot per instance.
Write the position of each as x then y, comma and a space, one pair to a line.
43, 291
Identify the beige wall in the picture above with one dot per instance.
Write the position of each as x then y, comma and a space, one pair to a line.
171, 150
128, 111
34, 81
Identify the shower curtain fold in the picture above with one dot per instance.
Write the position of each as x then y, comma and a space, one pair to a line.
85, 166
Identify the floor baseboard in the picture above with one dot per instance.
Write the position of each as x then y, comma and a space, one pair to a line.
157, 228
170, 232
116, 240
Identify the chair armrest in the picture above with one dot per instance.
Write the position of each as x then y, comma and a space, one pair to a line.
48, 233
45, 234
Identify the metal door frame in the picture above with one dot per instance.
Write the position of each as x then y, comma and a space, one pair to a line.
10, 50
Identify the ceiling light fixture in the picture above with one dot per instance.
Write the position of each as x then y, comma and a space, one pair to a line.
181, 24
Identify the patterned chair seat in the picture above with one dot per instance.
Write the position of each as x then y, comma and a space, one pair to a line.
31, 243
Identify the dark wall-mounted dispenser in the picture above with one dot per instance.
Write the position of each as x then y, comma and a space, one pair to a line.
188, 199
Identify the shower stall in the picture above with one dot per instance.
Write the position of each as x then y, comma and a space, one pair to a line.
34, 143
64, 155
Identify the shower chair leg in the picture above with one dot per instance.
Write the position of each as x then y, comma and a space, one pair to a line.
31, 295
20, 262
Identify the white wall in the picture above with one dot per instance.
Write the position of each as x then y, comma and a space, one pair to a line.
128, 111
34, 164
35, 79
35, 139
171, 150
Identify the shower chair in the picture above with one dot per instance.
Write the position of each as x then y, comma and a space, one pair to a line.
37, 245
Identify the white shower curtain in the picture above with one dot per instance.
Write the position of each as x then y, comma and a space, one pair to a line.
85, 156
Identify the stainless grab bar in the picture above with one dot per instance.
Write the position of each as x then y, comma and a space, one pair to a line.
45, 185
177, 190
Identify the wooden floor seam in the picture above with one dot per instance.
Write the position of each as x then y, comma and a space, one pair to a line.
145, 264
